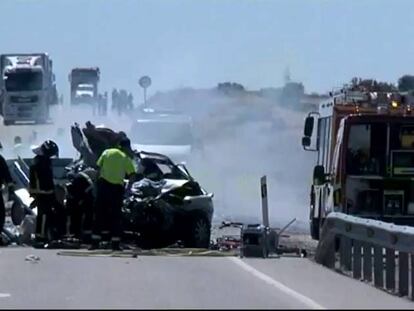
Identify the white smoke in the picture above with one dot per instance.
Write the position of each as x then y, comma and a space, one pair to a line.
246, 137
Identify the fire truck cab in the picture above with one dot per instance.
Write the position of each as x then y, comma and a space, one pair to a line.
365, 157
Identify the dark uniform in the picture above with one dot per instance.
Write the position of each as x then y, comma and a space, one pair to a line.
130, 102
42, 188
105, 104
115, 99
5, 179
80, 200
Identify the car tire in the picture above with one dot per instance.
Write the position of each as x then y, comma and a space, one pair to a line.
199, 233
17, 213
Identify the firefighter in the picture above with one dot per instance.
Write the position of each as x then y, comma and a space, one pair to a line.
115, 100
79, 203
114, 165
105, 104
7, 181
130, 102
122, 104
42, 188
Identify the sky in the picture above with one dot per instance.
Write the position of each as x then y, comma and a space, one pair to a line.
198, 43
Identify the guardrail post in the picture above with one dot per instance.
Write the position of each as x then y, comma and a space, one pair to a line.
390, 269
378, 267
367, 262
358, 237
356, 268
403, 273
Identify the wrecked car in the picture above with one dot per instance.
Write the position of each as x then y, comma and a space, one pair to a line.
167, 205
162, 206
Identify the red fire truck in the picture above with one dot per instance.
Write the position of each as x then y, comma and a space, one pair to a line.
365, 157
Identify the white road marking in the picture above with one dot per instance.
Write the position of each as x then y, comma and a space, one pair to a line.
4, 295
303, 299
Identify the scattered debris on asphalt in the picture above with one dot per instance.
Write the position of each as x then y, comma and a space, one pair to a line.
32, 258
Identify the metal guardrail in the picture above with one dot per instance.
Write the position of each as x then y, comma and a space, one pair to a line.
370, 250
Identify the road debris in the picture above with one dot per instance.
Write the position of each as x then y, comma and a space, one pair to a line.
32, 258
256, 240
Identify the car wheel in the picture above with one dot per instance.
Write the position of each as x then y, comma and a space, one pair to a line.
17, 213
199, 233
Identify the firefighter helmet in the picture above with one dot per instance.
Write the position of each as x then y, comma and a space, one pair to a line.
49, 148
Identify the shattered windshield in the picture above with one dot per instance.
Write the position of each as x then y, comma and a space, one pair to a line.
161, 133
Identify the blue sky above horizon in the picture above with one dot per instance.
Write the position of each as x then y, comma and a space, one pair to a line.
198, 43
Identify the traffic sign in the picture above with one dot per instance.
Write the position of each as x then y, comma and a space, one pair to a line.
145, 82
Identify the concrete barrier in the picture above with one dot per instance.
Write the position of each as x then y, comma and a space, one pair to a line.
369, 250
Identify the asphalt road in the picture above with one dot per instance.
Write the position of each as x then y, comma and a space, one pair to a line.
178, 282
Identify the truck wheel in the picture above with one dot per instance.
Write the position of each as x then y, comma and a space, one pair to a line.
199, 233
6, 122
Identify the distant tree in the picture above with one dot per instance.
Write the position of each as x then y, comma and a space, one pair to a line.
406, 83
371, 85
230, 88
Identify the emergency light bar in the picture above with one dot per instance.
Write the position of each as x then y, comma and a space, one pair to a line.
386, 100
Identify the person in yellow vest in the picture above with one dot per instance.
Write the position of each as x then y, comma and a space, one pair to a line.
115, 164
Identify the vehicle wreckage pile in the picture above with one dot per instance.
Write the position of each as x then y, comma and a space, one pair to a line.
163, 205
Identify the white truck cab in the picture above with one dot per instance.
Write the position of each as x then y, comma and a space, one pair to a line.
84, 90
27, 85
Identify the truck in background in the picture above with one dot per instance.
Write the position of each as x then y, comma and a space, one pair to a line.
84, 85
27, 88
365, 157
